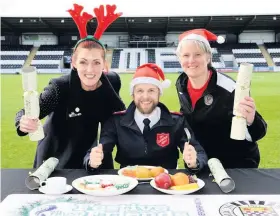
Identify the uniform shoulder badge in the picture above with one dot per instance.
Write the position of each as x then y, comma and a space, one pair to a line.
119, 112
176, 113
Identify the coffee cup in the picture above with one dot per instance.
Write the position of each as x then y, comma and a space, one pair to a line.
54, 184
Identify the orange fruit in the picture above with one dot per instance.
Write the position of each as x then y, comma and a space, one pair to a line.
172, 183
180, 179
156, 171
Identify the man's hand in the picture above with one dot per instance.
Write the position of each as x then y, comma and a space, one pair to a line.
96, 156
190, 155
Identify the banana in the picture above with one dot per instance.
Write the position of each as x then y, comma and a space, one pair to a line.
191, 186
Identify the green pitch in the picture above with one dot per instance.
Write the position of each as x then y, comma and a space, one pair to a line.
18, 152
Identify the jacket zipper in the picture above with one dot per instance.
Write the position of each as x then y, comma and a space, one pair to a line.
146, 148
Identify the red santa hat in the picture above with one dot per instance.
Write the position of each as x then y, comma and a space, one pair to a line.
202, 35
151, 74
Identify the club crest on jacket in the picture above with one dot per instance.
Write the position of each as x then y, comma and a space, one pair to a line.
163, 139
208, 99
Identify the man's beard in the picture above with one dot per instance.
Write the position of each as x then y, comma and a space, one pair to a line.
146, 111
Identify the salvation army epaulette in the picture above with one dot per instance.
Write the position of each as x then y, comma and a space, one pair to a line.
176, 113
119, 112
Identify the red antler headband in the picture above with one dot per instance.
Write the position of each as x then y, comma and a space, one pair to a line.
103, 21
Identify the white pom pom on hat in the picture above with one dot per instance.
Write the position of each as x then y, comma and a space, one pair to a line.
166, 83
151, 74
220, 39
201, 35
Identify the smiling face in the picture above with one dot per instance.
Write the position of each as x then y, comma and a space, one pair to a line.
146, 97
89, 60
194, 58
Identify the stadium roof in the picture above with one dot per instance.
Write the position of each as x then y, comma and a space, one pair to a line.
145, 25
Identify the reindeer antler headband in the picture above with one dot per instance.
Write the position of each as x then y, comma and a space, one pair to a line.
103, 21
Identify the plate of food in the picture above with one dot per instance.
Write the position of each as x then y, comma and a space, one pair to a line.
104, 185
142, 173
177, 184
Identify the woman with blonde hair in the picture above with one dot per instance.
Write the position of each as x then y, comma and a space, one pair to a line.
76, 103
206, 99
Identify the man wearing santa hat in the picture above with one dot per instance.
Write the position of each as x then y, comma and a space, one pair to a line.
206, 98
147, 133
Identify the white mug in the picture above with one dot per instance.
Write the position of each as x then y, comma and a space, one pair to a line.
56, 184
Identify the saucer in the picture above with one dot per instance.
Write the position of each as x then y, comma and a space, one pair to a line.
44, 190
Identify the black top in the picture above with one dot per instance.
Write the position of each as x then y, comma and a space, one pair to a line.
94, 108
211, 122
74, 114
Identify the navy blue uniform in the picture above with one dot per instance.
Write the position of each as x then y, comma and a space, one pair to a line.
161, 148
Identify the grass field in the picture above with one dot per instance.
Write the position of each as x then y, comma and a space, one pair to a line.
18, 152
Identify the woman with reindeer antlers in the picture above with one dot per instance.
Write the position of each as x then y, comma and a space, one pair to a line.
78, 102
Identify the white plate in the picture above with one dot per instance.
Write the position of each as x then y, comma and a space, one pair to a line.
200, 183
134, 167
44, 190
115, 179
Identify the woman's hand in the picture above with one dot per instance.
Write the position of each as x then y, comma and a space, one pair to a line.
28, 125
247, 108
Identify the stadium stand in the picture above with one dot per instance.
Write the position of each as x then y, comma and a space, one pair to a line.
234, 54
49, 58
167, 58
13, 57
128, 60
132, 42
116, 58
151, 55
138, 59
249, 52
216, 59
274, 51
